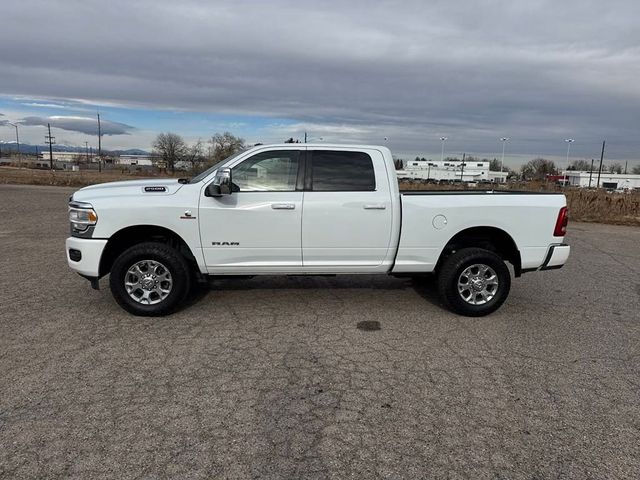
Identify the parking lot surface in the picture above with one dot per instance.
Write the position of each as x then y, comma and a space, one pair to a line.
272, 378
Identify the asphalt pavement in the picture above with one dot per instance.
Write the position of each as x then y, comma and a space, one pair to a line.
291, 377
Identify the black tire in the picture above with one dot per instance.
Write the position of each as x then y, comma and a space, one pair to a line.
171, 259
450, 274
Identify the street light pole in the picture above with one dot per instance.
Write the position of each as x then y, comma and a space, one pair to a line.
569, 142
15, 125
504, 141
307, 139
442, 139
17, 137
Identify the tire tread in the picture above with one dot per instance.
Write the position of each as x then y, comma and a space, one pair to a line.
448, 278
180, 271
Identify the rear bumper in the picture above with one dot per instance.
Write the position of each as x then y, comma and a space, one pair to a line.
556, 257
83, 255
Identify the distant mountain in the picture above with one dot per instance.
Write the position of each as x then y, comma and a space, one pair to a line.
131, 151
32, 149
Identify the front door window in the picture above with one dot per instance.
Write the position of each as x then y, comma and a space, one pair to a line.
275, 171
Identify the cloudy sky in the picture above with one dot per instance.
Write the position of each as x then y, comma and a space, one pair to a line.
411, 71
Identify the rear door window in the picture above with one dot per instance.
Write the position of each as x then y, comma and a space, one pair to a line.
336, 171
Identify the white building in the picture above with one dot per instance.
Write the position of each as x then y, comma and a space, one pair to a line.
450, 170
62, 156
613, 181
140, 160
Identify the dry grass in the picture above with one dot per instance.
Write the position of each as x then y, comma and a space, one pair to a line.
68, 179
584, 205
602, 207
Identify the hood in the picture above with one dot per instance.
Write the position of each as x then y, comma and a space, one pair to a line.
161, 186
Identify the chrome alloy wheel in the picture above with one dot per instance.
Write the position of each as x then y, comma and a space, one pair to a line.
478, 284
148, 282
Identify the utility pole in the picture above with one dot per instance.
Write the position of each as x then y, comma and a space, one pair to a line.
305, 137
49, 140
99, 145
601, 158
625, 166
462, 171
590, 173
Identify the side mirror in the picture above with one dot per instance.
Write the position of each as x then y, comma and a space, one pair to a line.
221, 184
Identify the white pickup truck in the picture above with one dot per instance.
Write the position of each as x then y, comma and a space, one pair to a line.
306, 209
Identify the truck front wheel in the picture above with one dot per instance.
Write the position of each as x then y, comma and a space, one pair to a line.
150, 279
474, 282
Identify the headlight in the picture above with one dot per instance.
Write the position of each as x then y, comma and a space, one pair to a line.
82, 216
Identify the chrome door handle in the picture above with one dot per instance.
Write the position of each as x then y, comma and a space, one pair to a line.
375, 207
283, 206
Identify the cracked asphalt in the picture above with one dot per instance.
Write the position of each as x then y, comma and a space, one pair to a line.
271, 378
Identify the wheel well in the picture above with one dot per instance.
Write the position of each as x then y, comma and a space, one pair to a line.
489, 238
130, 236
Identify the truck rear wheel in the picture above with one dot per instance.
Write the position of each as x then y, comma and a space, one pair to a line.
150, 279
474, 282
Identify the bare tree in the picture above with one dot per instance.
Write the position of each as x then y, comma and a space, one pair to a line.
580, 165
194, 154
170, 147
223, 145
615, 168
636, 170
538, 169
496, 165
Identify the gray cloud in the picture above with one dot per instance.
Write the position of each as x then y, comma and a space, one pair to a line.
537, 71
79, 124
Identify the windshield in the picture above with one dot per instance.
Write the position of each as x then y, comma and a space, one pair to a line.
214, 167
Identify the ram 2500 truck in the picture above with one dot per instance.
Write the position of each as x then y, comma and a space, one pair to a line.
304, 209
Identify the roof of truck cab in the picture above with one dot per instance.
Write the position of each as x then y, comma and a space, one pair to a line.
321, 145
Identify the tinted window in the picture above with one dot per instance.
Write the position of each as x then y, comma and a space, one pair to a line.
342, 171
268, 172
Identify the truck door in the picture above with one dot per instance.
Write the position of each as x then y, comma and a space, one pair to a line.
258, 227
347, 210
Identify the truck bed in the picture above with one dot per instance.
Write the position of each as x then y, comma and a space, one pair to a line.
431, 218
